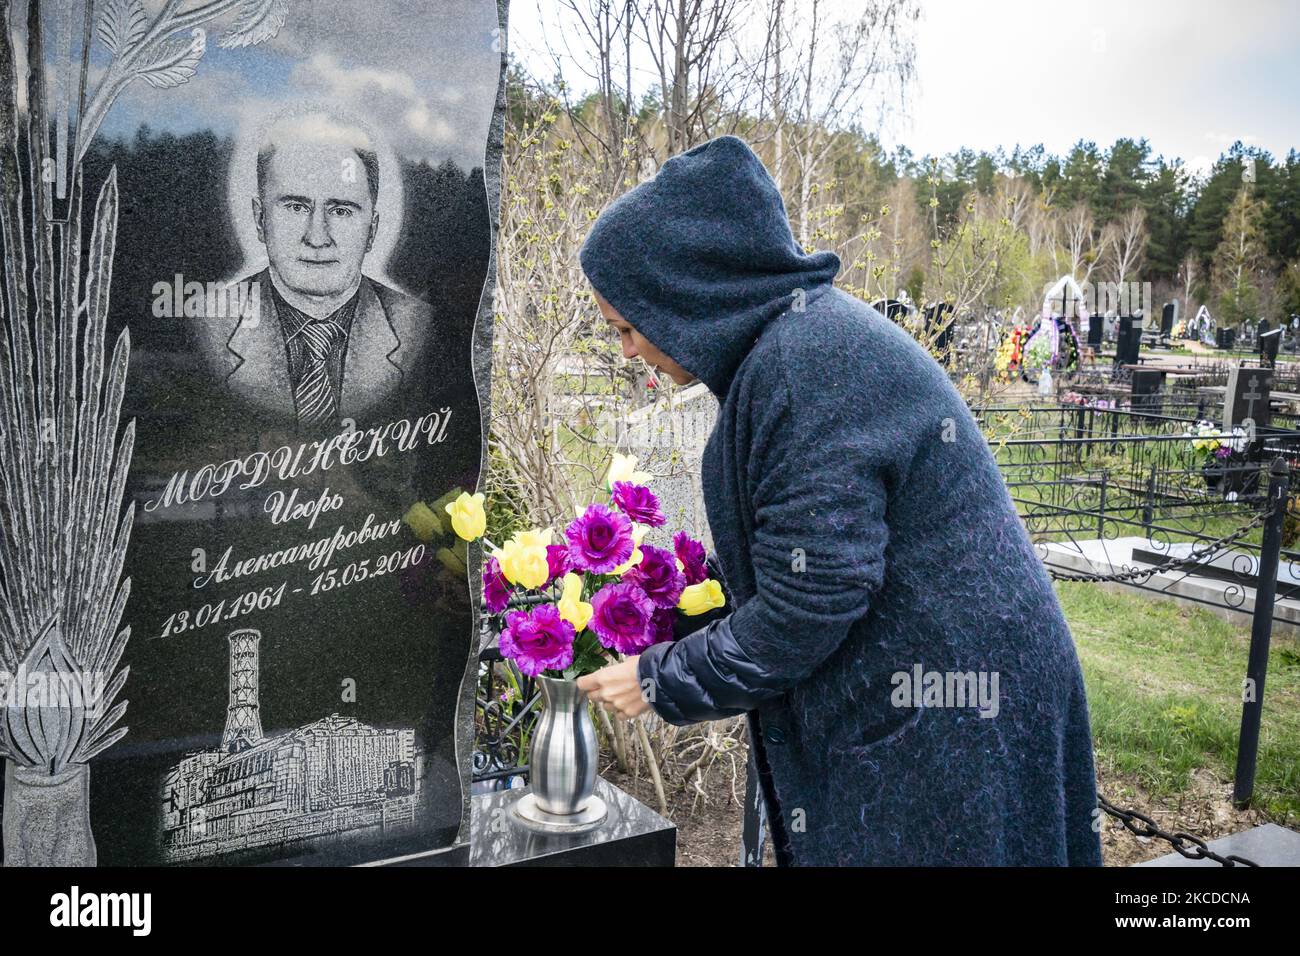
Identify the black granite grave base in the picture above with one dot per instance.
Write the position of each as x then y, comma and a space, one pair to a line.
631, 835
457, 855
1267, 845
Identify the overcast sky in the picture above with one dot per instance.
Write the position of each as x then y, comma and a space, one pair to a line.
1191, 76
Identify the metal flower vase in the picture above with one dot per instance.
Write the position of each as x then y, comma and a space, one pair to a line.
562, 764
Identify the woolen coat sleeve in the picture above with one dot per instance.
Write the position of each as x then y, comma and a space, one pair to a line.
818, 475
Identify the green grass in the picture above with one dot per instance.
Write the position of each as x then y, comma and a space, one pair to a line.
1164, 691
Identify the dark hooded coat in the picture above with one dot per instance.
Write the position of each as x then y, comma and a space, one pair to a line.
880, 574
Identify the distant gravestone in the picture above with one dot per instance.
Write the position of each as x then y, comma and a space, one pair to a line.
938, 329
892, 309
1268, 346
1145, 391
669, 441
1128, 341
1168, 318
1246, 398
1096, 326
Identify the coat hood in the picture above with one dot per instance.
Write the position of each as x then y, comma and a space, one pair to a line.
701, 258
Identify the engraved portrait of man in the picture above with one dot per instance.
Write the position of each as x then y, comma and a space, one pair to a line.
325, 342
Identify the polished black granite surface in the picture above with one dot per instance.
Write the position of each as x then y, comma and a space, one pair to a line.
631, 835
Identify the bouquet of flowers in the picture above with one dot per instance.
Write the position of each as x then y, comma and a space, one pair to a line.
597, 589
1042, 350
1007, 361
1088, 401
1210, 446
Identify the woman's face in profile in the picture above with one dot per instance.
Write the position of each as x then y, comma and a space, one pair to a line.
635, 344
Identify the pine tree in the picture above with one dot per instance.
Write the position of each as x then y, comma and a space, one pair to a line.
1239, 257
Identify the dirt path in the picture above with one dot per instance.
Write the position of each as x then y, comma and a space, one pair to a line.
1205, 810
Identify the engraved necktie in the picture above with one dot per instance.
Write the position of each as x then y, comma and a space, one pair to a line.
315, 392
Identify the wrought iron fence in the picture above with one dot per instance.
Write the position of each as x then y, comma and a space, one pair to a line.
506, 708
1077, 471
1085, 477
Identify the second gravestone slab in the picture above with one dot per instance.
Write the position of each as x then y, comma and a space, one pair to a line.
1246, 398
265, 394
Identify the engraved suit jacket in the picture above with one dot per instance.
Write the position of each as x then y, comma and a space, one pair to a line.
388, 352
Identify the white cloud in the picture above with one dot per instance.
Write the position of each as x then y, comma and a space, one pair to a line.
351, 81
422, 122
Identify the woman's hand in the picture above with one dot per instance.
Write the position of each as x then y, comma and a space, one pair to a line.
617, 687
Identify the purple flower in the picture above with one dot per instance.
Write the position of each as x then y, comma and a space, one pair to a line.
658, 576
621, 616
496, 589
538, 641
557, 562
661, 625
1223, 451
600, 539
639, 503
692, 556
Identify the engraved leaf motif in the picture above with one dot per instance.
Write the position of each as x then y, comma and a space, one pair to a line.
121, 24
45, 719
258, 20
173, 64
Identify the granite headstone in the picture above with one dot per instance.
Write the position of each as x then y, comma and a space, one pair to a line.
1128, 341
1246, 404
1168, 318
233, 478
1269, 340
1096, 326
1145, 391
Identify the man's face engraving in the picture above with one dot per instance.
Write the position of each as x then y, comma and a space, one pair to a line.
316, 217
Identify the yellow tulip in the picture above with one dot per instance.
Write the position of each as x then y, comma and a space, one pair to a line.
630, 563
623, 468
701, 597
467, 516
571, 606
638, 532
523, 564
540, 538
424, 521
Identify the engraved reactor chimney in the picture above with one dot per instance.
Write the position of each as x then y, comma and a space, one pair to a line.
243, 721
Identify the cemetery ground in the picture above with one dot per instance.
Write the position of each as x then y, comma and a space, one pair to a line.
1164, 696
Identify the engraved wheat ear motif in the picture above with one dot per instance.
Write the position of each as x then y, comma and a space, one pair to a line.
63, 465
63, 471
165, 51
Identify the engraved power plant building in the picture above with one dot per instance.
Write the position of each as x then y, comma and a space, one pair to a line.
326, 777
